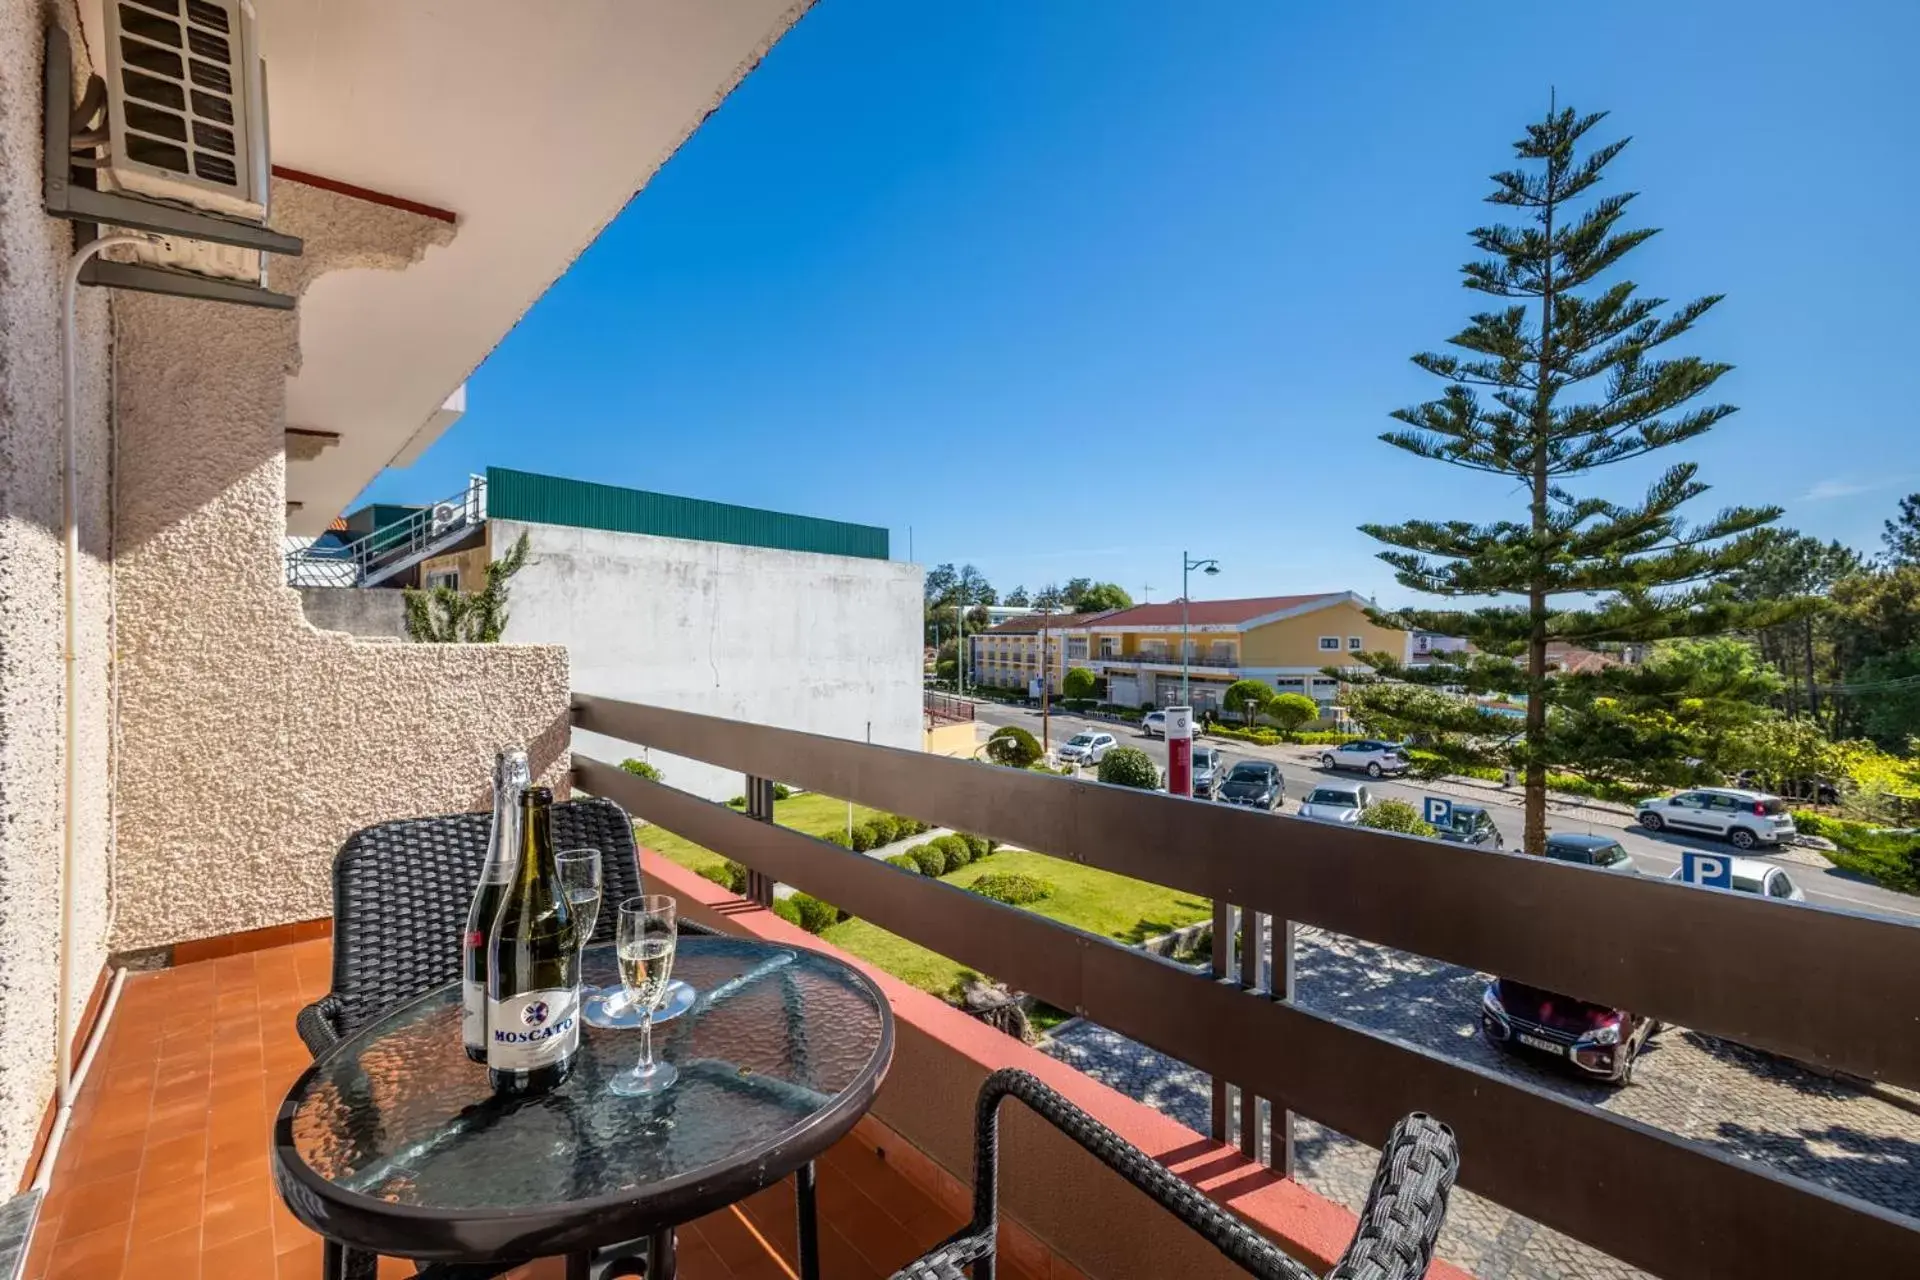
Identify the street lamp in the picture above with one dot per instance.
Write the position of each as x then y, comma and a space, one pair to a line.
1188, 565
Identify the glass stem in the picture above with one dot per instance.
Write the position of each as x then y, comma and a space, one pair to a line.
646, 1040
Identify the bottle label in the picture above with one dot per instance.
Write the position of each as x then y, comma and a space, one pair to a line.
473, 1013
532, 1029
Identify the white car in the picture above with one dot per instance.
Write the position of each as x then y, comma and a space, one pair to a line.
1087, 748
1376, 759
1154, 724
1336, 803
1750, 875
1743, 818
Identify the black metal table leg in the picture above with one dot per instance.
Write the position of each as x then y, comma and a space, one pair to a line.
579, 1266
662, 1256
807, 1228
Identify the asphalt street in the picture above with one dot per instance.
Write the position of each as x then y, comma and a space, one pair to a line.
1654, 854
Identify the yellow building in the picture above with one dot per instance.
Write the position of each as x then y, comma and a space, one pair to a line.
1287, 641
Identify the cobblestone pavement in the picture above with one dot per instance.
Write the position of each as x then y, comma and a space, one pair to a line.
1865, 1142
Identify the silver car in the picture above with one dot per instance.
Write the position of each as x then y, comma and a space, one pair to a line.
1336, 803
1375, 759
1087, 748
1744, 818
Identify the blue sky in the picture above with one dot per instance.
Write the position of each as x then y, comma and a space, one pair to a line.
1070, 287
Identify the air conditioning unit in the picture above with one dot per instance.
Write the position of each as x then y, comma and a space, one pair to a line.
187, 121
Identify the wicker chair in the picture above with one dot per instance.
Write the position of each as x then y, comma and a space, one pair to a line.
1404, 1209
400, 897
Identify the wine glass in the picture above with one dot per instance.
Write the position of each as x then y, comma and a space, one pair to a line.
645, 945
580, 881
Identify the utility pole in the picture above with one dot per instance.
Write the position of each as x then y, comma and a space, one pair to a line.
1209, 567
1046, 688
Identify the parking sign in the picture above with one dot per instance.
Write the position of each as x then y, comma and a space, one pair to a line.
1712, 869
1440, 812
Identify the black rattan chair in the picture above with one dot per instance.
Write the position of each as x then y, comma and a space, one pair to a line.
400, 897
1402, 1217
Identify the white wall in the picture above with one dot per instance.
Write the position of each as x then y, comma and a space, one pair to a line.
821, 643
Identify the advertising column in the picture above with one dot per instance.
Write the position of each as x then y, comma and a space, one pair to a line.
1180, 751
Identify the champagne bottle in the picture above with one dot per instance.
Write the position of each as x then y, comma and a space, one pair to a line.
533, 966
510, 778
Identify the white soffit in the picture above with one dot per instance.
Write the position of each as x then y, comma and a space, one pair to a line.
532, 122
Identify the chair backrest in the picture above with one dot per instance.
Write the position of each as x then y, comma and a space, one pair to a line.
401, 891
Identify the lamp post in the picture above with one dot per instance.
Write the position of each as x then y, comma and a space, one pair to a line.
1188, 565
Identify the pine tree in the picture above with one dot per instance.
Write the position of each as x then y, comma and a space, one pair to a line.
1559, 380
1902, 533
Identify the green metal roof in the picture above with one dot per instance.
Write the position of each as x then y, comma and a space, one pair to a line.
537, 499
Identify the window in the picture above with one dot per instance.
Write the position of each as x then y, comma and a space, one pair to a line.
1691, 800
1077, 648
1726, 804
1778, 886
1354, 643
1109, 647
449, 578
1330, 644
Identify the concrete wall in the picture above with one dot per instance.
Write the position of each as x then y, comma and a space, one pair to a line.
377, 613
33, 254
827, 644
252, 744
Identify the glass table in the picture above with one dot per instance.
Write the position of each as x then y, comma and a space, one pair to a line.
394, 1144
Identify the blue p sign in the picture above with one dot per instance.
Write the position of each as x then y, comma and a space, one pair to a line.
1440, 812
1712, 869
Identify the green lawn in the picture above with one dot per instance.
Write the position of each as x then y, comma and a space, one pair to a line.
1101, 902
816, 815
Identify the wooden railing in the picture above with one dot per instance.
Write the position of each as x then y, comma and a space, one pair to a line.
1824, 987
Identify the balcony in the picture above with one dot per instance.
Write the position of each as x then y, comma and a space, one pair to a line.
1170, 661
164, 1171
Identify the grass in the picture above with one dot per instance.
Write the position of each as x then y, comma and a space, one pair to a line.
1101, 902
816, 815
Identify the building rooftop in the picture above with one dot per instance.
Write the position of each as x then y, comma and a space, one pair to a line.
1033, 623
1224, 613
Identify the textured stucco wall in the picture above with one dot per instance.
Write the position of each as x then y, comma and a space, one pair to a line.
33, 255
372, 612
251, 743
821, 643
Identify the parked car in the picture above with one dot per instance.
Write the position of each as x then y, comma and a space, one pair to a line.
1473, 825
1087, 748
1154, 724
1207, 768
1597, 1040
1376, 758
1257, 784
1592, 851
1746, 818
1336, 803
1750, 875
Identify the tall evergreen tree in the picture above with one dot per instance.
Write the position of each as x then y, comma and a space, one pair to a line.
1902, 533
1559, 380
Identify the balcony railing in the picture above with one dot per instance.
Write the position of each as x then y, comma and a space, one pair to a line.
944, 706
1167, 660
1824, 987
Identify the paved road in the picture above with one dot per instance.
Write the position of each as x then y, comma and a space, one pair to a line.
1655, 854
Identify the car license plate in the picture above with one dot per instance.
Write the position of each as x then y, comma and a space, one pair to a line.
1535, 1042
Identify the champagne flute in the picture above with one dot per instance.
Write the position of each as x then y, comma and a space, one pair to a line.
580, 880
645, 945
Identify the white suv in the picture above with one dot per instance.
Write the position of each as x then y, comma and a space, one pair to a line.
1087, 748
1376, 758
1745, 818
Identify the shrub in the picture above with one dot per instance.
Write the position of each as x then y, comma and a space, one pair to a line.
729, 875
1012, 888
641, 769
885, 828
738, 802
1078, 684
1396, 815
1014, 747
931, 861
904, 861
1248, 697
786, 910
1326, 739
977, 847
838, 837
953, 851
1291, 710
862, 837
1130, 767
1259, 736
781, 791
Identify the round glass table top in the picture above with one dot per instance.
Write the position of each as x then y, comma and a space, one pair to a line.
780, 1053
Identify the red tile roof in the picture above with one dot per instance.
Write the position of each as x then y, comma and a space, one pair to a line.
1213, 613
1032, 623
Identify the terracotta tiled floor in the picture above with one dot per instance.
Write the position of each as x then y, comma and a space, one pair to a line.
164, 1173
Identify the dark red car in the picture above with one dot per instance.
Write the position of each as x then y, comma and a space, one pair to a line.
1599, 1041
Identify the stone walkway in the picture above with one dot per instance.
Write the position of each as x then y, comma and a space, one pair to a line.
1864, 1142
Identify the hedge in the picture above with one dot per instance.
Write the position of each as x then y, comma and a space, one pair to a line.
905, 861
1887, 856
729, 875
1012, 888
931, 861
807, 912
953, 851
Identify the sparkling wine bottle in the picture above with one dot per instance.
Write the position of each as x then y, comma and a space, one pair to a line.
510, 778
533, 966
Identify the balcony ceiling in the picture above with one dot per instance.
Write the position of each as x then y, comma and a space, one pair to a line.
533, 123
